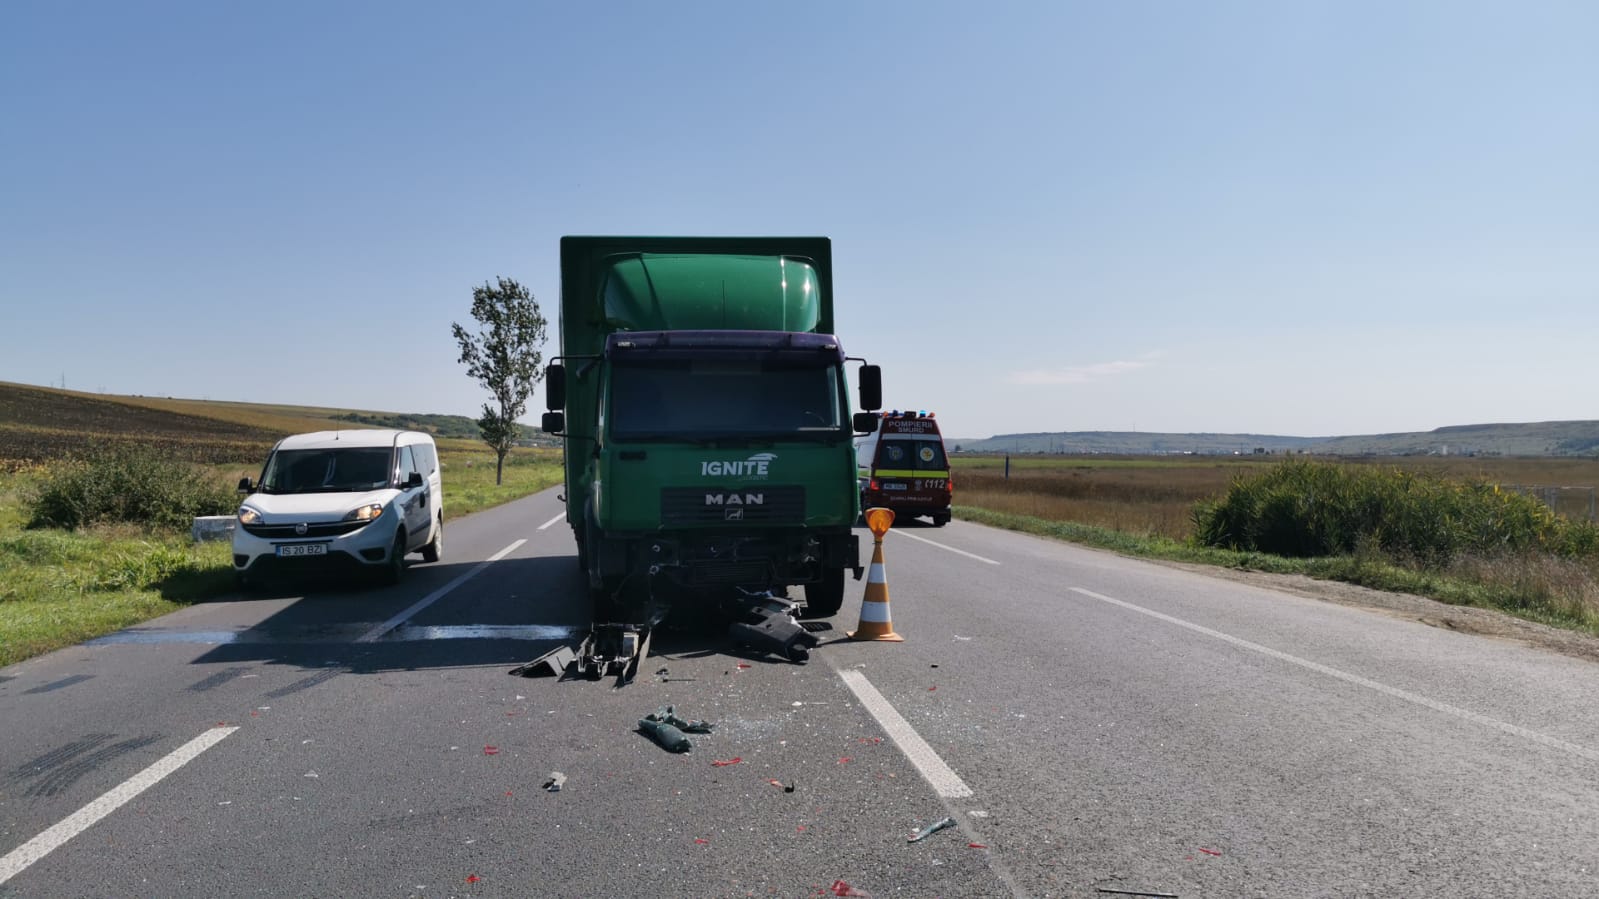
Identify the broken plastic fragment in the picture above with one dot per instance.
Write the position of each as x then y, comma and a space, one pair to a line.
929, 830
1209, 851
845, 760
840, 888
723, 763
975, 846
668, 715
669, 737
702, 842
556, 781
491, 750
472, 878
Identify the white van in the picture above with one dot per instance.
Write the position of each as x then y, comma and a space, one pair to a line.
353, 500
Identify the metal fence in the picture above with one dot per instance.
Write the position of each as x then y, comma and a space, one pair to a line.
1575, 503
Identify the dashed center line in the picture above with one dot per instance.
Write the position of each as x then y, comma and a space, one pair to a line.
943, 779
546, 524
958, 552
376, 633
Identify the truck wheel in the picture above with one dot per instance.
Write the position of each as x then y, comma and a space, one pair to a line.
434, 551
824, 598
940, 519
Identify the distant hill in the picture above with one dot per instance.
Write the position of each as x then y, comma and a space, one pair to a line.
40, 424
1548, 438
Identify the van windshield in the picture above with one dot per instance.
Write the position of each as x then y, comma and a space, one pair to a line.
349, 470
703, 399
908, 454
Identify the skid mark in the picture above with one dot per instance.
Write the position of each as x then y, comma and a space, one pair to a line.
306, 683
64, 682
218, 679
55, 771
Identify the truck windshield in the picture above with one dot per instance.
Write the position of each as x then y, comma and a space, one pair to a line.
327, 470
706, 399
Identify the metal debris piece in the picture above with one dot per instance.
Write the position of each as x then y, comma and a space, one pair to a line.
668, 715
669, 737
556, 781
929, 830
551, 664
767, 624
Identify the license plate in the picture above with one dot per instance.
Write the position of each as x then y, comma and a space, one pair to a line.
896, 487
303, 549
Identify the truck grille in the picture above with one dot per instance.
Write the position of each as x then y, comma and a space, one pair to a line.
715, 505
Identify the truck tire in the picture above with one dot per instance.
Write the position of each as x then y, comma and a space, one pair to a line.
824, 598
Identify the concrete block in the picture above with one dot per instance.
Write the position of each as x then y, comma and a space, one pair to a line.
213, 527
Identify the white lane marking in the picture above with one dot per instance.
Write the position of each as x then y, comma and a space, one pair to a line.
42, 845
552, 521
1407, 696
944, 780
485, 632
377, 633
958, 552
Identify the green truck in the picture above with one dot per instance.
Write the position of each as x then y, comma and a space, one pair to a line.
703, 403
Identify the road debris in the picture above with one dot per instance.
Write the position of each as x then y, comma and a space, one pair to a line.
668, 715
840, 888
1137, 893
723, 763
929, 830
491, 750
554, 784
1209, 851
670, 738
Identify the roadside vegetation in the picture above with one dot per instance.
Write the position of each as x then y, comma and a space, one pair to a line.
99, 542
1447, 529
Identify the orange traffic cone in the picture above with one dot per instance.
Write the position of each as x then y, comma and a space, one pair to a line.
875, 622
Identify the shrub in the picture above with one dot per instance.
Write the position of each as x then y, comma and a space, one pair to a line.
1306, 509
127, 483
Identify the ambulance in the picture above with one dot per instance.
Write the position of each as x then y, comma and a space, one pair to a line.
902, 466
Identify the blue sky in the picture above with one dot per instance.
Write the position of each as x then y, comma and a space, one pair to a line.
1292, 218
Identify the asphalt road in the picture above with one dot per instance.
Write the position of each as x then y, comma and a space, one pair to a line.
1091, 723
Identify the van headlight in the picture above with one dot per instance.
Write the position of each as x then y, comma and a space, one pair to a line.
248, 515
368, 512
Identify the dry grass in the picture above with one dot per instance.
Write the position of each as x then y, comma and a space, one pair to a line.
1155, 496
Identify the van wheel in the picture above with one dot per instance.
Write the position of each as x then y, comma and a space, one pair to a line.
394, 569
824, 598
434, 551
940, 519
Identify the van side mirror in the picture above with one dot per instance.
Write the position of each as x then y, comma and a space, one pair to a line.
554, 386
865, 422
553, 422
871, 381
245, 486
413, 480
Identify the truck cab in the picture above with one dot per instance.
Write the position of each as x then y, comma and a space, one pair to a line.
902, 466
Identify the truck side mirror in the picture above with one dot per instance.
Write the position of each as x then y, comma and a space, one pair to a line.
553, 422
555, 387
871, 381
865, 422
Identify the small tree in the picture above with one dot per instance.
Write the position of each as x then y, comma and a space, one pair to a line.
504, 357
